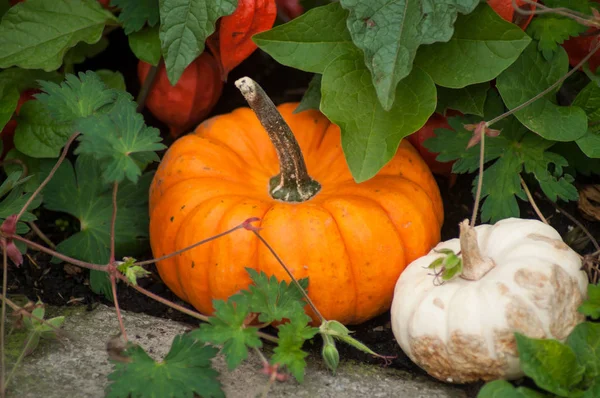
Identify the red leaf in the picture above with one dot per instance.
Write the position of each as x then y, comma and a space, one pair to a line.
232, 42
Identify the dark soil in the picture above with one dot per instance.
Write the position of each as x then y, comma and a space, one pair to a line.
54, 284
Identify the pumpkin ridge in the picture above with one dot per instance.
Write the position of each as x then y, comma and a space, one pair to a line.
352, 265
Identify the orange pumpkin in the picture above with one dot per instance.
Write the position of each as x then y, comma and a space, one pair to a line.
351, 240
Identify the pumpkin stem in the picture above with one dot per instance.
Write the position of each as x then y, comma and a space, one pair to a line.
292, 184
475, 266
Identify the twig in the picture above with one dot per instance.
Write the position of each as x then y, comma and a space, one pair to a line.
155, 260
546, 91
112, 268
576, 221
532, 201
183, 310
565, 12
41, 234
479, 180
50, 175
280, 261
3, 319
146, 86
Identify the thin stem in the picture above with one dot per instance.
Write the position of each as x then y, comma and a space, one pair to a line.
532, 201
577, 222
542, 9
28, 314
146, 86
113, 285
41, 234
50, 175
479, 180
3, 319
71, 260
113, 221
546, 91
166, 256
293, 183
308, 300
181, 309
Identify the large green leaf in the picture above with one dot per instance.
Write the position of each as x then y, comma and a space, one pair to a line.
311, 41
527, 77
585, 342
468, 100
482, 47
36, 34
390, 31
184, 27
371, 135
145, 44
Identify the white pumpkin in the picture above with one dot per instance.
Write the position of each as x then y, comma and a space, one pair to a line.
523, 278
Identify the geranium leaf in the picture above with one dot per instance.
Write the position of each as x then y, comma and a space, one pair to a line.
292, 336
137, 13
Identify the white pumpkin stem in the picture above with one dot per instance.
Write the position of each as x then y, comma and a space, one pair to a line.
475, 266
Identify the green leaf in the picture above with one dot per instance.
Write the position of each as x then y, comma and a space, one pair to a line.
288, 352
551, 30
311, 41
9, 97
15, 200
589, 100
274, 300
37, 169
593, 391
468, 100
482, 46
591, 306
132, 272
312, 96
37, 134
389, 33
76, 97
187, 369
145, 44
120, 140
81, 193
585, 342
518, 84
370, 135
503, 389
36, 34
551, 364
184, 27
578, 162
136, 13
112, 79
227, 327
82, 51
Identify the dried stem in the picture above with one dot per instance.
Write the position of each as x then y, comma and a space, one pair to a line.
3, 319
479, 180
287, 270
49, 177
41, 234
576, 221
532, 201
546, 91
24, 312
146, 86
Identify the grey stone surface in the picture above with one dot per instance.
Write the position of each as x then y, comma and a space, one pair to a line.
78, 366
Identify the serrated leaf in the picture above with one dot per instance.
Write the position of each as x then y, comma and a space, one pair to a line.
37, 134
288, 352
77, 97
311, 41
591, 306
145, 44
120, 140
136, 13
550, 363
187, 369
518, 84
112, 79
36, 34
370, 135
273, 299
482, 46
389, 33
81, 193
551, 30
469, 100
14, 202
585, 342
184, 27
227, 327
312, 96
